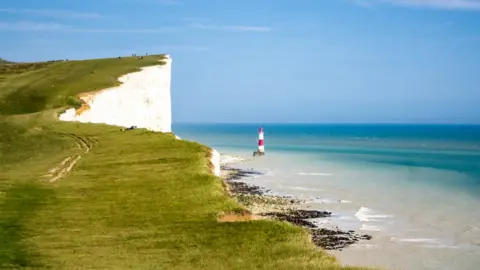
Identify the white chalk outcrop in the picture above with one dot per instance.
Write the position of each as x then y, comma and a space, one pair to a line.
142, 100
215, 160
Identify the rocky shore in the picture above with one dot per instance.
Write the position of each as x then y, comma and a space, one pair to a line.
257, 200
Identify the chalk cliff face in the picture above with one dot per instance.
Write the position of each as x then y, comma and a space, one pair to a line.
215, 160
142, 100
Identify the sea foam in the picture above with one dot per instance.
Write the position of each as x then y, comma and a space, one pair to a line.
365, 214
314, 174
227, 159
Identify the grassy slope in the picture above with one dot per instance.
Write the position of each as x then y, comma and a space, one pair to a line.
137, 199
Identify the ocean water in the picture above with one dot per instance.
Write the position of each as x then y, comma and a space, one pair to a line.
415, 188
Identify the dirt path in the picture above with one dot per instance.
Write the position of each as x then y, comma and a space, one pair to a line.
63, 168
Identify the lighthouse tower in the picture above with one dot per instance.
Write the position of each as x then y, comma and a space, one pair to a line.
261, 147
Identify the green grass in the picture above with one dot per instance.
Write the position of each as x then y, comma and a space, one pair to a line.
137, 199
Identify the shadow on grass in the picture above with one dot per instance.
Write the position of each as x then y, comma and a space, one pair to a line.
18, 204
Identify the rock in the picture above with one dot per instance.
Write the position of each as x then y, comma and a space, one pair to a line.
335, 239
291, 219
236, 174
367, 237
330, 240
306, 214
243, 188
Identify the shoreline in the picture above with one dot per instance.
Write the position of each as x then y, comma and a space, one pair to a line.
393, 238
259, 204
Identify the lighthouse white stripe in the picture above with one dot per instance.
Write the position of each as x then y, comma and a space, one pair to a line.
260, 136
261, 148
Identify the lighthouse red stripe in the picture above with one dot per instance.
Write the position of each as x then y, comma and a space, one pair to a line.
260, 142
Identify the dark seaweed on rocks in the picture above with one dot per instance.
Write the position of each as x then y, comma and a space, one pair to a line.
306, 214
298, 217
336, 239
324, 238
291, 219
237, 174
243, 188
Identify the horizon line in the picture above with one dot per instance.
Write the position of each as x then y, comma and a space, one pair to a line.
333, 123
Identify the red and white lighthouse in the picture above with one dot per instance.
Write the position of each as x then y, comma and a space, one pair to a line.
261, 147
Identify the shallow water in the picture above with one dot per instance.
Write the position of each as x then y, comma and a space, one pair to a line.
418, 195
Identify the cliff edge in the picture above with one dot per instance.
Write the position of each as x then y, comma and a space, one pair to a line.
142, 99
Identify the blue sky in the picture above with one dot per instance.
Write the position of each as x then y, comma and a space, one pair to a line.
412, 61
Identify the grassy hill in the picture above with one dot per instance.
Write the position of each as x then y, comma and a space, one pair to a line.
133, 199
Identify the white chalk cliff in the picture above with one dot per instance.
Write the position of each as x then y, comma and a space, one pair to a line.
143, 100
215, 160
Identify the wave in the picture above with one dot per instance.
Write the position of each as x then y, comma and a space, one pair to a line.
424, 242
369, 228
439, 246
365, 245
268, 173
415, 240
472, 229
316, 174
343, 217
304, 188
365, 214
327, 201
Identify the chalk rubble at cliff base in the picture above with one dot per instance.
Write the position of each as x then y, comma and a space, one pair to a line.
215, 160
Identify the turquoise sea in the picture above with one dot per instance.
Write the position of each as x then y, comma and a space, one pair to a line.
445, 147
415, 188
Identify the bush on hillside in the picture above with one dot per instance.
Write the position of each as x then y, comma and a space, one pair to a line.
74, 102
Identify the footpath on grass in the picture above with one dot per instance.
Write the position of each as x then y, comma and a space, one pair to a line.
90, 196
